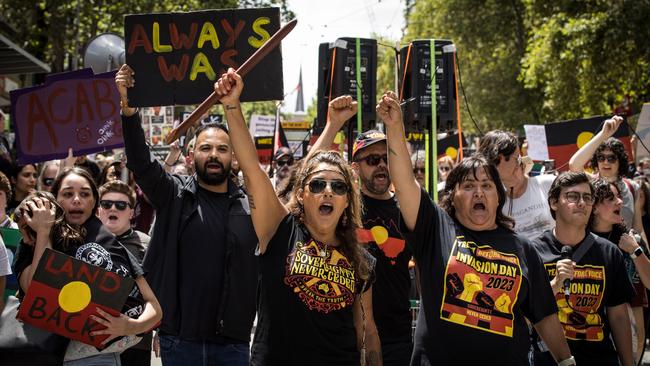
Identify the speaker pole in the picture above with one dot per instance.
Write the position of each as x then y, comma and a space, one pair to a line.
434, 117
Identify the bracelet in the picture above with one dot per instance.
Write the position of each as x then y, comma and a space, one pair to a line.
230, 107
571, 361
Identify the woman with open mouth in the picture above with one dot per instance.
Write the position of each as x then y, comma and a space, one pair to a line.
315, 294
479, 280
77, 199
608, 223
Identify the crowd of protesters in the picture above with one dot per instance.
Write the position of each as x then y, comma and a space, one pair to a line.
318, 261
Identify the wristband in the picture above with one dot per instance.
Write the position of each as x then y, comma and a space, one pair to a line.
637, 252
571, 361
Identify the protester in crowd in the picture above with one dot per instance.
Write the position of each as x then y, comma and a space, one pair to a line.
593, 302
200, 260
82, 161
479, 280
315, 295
417, 159
5, 196
380, 233
102, 160
49, 223
608, 223
610, 161
116, 203
23, 179
526, 200
49, 171
445, 165
5, 270
112, 172
281, 165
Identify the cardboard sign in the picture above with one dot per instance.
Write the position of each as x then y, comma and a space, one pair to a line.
177, 57
537, 146
208, 118
643, 130
64, 293
73, 109
262, 125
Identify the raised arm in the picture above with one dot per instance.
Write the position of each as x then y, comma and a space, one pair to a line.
407, 189
339, 110
41, 221
266, 209
621, 332
584, 154
157, 185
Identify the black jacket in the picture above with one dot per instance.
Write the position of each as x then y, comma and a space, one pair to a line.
174, 198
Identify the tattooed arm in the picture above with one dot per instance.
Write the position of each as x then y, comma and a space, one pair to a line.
407, 189
266, 209
372, 343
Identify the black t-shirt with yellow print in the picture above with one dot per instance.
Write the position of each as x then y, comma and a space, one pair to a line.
306, 295
477, 288
600, 280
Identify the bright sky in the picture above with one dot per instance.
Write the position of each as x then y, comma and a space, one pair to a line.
322, 21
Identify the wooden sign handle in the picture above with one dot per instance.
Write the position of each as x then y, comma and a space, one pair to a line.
247, 66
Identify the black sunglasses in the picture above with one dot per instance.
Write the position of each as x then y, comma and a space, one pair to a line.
119, 205
609, 157
374, 159
318, 185
48, 182
418, 170
282, 163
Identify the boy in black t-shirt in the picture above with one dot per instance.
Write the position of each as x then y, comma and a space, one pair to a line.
591, 287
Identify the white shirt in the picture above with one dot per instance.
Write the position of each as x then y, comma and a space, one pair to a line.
531, 211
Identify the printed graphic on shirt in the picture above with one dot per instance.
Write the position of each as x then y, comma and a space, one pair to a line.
580, 317
320, 276
379, 233
96, 255
481, 287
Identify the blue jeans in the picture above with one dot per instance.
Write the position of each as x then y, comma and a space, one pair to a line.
106, 359
178, 352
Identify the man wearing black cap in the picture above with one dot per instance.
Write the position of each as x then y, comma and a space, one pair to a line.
390, 296
282, 162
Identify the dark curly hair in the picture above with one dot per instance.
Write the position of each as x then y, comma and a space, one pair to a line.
618, 149
603, 191
350, 220
62, 235
461, 172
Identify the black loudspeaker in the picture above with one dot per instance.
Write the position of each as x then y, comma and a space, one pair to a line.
415, 82
344, 78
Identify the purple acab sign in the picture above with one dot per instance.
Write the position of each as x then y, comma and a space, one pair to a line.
74, 109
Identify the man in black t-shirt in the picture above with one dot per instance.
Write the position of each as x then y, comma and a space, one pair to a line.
380, 233
200, 260
592, 289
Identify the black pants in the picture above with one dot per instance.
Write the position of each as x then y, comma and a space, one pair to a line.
136, 357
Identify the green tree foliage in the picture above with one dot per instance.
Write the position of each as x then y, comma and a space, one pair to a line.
535, 61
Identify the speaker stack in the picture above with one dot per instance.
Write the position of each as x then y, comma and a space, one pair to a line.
337, 75
415, 82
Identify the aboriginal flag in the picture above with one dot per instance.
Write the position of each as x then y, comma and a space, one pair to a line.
64, 293
449, 146
565, 138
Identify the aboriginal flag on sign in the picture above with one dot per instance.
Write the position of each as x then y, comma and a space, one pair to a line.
565, 138
64, 293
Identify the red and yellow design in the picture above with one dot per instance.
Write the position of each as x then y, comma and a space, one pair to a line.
321, 277
481, 287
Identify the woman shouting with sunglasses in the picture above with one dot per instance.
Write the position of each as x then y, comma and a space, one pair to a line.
315, 296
